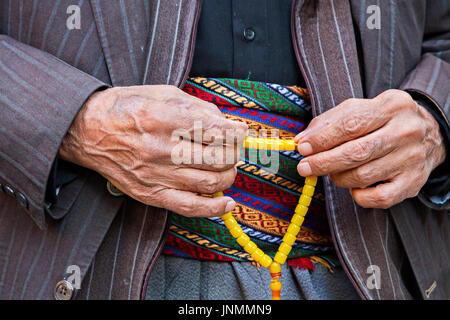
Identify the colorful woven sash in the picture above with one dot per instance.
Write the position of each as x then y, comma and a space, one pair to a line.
265, 200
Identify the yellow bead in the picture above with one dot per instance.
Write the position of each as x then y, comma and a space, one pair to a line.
231, 223
293, 229
261, 143
289, 145
305, 200
227, 216
275, 267
275, 285
280, 257
236, 231
301, 210
271, 145
250, 247
297, 220
308, 190
279, 144
266, 261
311, 181
257, 255
243, 239
218, 194
247, 142
289, 239
284, 248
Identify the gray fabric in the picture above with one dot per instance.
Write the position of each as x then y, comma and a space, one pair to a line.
174, 278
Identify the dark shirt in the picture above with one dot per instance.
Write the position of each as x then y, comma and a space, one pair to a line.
248, 39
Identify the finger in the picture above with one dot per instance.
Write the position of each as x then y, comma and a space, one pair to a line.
205, 157
378, 170
201, 126
382, 196
201, 181
199, 120
349, 155
191, 205
351, 119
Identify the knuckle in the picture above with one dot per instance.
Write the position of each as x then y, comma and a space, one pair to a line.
319, 165
415, 129
383, 200
187, 207
418, 155
351, 126
213, 211
210, 183
397, 99
363, 175
229, 180
360, 150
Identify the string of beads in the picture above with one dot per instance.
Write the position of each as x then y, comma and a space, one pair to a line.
297, 219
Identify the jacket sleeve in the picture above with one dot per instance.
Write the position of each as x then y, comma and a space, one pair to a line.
429, 84
40, 96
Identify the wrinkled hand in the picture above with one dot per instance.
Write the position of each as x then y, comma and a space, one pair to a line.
126, 134
390, 141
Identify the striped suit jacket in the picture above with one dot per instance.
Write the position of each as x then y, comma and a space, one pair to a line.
48, 70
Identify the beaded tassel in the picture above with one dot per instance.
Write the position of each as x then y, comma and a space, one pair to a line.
294, 227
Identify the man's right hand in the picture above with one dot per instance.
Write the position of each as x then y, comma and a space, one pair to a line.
126, 134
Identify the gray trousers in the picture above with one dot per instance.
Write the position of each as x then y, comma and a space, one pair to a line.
178, 278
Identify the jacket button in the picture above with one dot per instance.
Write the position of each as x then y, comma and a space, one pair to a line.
249, 34
63, 290
9, 191
113, 190
22, 200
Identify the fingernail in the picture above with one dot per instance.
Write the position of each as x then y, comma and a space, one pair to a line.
299, 136
304, 169
230, 206
305, 149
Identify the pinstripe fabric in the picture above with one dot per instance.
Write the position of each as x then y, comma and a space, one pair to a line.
35, 260
37, 134
124, 257
40, 94
362, 236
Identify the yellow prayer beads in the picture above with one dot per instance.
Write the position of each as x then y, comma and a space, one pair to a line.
269, 144
294, 227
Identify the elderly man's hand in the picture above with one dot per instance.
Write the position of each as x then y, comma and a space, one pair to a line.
126, 134
390, 141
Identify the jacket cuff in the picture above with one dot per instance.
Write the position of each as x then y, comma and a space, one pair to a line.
424, 84
40, 97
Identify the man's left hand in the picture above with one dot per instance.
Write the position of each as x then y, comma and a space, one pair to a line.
382, 149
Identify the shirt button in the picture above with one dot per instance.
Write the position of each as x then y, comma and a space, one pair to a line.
113, 190
63, 290
249, 34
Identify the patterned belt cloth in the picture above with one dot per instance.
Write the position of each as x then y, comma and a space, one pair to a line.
265, 199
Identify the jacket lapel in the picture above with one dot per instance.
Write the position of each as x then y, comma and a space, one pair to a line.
326, 49
123, 35
149, 42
